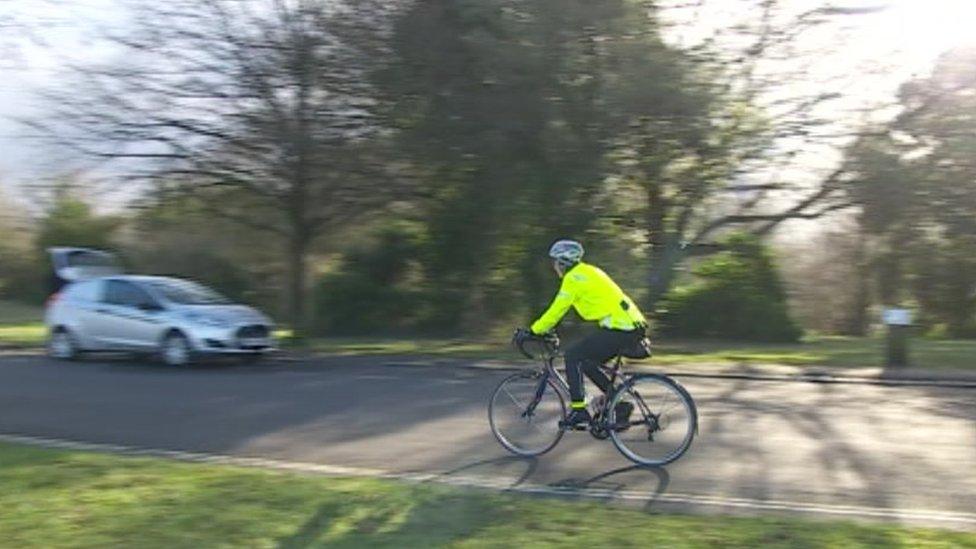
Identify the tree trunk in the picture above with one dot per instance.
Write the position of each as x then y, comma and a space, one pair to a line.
889, 274
662, 255
297, 263
856, 323
664, 264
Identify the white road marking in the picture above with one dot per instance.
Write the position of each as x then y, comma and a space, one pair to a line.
959, 518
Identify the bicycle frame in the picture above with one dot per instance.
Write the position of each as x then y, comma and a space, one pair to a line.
549, 371
608, 421
617, 378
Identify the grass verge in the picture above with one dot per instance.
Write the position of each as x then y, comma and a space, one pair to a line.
22, 335
819, 351
21, 325
12, 312
54, 498
822, 351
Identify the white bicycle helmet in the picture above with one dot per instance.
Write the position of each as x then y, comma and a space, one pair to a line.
566, 252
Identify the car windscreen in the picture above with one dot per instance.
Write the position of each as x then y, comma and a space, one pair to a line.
185, 292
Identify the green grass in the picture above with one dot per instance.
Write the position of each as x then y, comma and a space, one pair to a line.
20, 325
819, 351
12, 312
421, 346
57, 499
23, 335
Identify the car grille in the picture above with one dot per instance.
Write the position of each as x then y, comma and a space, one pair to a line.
256, 330
248, 335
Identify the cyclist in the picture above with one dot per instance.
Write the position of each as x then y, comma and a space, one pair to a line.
596, 297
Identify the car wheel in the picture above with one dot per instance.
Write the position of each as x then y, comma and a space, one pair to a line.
62, 346
176, 350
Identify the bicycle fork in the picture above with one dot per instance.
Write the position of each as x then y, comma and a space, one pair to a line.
539, 391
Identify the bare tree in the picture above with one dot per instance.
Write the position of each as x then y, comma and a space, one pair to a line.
740, 164
829, 287
261, 107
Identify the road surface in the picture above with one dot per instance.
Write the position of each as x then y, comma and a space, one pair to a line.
845, 450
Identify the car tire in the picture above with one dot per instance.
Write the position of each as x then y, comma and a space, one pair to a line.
62, 345
175, 350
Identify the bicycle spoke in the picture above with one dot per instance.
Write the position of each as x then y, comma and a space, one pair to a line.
534, 425
663, 410
519, 431
515, 400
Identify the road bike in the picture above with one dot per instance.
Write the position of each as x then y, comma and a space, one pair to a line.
526, 408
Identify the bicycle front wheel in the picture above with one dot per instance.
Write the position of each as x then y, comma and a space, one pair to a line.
661, 423
524, 413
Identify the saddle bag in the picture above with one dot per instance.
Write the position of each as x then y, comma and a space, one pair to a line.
639, 348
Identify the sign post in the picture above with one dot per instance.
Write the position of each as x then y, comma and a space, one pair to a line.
899, 324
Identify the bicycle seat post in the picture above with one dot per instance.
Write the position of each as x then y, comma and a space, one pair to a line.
612, 367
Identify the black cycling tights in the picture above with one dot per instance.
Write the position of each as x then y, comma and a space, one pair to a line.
587, 355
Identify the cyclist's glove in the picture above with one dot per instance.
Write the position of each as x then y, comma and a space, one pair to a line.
521, 335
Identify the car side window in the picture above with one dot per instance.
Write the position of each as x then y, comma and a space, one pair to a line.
83, 291
120, 292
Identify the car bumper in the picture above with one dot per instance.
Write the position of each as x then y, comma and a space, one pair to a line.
230, 341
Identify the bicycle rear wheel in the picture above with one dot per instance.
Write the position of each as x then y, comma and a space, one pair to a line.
662, 424
524, 413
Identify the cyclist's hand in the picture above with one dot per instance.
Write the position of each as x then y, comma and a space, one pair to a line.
521, 335
551, 337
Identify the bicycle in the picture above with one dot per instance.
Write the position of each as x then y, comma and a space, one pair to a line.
534, 401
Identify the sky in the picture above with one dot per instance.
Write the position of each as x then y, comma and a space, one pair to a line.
863, 57
40, 39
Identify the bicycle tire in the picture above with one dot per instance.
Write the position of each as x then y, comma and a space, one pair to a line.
628, 446
553, 410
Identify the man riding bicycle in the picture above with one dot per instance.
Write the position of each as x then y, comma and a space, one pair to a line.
596, 297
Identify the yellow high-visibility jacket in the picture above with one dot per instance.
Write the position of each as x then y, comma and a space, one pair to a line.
596, 297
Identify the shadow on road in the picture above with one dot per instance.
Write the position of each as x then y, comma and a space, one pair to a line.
503, 467
623, 479
146, 362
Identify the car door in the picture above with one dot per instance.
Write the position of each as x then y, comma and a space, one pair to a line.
83, 300
128, 317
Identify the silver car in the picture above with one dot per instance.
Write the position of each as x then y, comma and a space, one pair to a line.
177, 320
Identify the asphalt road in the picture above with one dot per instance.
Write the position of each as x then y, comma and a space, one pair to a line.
847, 450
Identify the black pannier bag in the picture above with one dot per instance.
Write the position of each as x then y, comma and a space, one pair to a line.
639, 348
